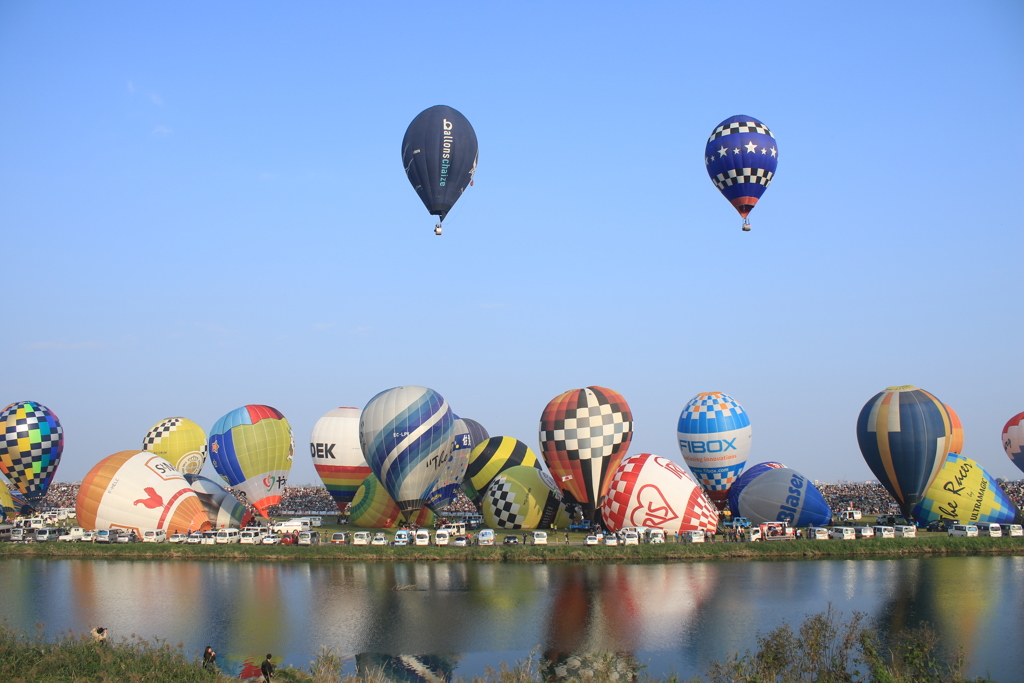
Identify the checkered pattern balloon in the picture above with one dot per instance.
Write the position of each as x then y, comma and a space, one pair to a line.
30, 447
180, 441
714, 438
652, 491
740, 157
584, 434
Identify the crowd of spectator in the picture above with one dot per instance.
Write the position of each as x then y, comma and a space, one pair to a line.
870, 498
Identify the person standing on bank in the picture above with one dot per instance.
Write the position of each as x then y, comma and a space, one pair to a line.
267, 669
209, 658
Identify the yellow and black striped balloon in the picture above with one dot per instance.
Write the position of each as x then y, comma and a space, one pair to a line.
492, 457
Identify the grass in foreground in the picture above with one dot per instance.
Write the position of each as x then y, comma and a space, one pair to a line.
826, 648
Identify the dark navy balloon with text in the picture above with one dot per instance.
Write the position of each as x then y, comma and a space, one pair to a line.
439, 154
740, 158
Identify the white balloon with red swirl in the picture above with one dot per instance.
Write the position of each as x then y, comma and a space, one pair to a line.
652, 491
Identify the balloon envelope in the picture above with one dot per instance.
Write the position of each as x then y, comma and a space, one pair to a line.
904, 434
956, 431
524, 497
223, 509
406, 437
179, 441
714, 437
372, 507
251, 447
748, 476
740, 158
783, 495
31, 443
490, 458
439, 153
138, 490
652, 491
584, 434
965, 491
453, 471
1013, 440
337, 455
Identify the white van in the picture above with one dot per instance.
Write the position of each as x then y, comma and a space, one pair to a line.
905, 531
73, 535
316, 521
657, 536
250, 537
441, 537
1012, 529
817, 533
361, 538
631, 538
291, 525
154, 536
538, 538
229, 536
309, 538
693, 536
842, 533
884, 531
421, 537
963, 530
988, 529
46, 534
849, 516
455, 528
485, 537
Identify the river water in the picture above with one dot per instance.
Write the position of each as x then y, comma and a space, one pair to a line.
431, 621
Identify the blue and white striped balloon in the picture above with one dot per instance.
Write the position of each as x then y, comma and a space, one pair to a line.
406, 437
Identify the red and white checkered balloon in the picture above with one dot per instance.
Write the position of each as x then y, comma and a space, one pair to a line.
652, 491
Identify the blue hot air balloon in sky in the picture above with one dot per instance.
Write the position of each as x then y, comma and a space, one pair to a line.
439, 154
740, 158
904, 434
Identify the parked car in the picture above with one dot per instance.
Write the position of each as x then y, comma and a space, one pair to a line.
842, 533
87, 536
177, 538
154, 536
379, 538
485, 537
580, 526
195, 538
1012, 529
989, 529
630, 538
538, 538
611, 540
401, 538
591, 540
310, 538
736, 523
882, 531
511, 539
905, 531
817, 533
421, 537
864, 532
249, 536
441, 537
18, 535
461, 541
268, 539
850, 516
46, 534
657, 536
339, 537
105, 536
942, 525
967, 530
363, 538
72, 535
209, 538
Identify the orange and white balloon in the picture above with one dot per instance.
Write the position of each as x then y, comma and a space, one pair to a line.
139, 490
652, 491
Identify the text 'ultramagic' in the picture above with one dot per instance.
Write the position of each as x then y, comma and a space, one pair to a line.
446, 154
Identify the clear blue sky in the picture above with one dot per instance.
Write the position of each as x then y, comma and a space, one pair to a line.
202, 205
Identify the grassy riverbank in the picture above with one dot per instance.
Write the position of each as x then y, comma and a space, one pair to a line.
825, 647
930, 544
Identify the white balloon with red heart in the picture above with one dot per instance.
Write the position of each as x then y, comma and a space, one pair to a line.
652, 491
